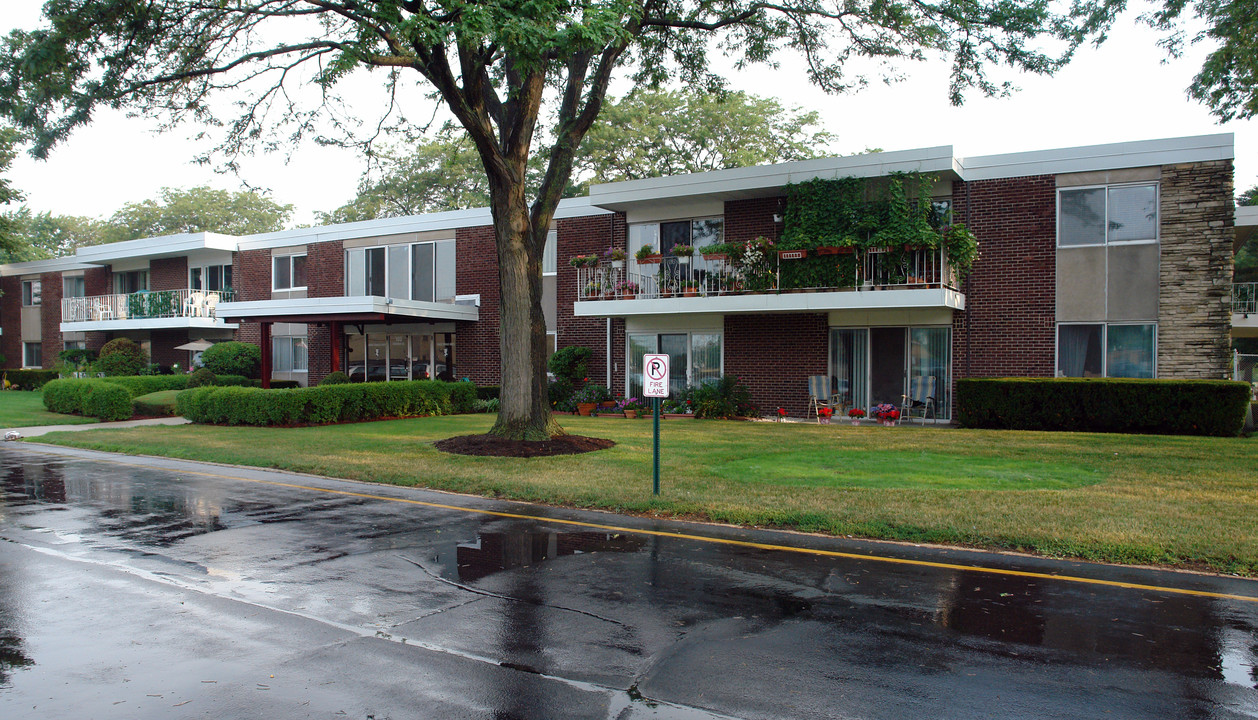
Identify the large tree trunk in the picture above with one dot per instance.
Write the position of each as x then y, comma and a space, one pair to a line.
524, 405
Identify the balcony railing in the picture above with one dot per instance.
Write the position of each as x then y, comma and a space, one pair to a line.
1245, 298
144, 305
872, 269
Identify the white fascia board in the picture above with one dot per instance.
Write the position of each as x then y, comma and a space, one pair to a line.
175, 323
1244, 325
429, 222
346, 306
1246, 216
748, 181
156, 247
42, 266
770, 303
1092, 158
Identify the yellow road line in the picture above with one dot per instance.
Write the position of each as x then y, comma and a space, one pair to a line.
703, 538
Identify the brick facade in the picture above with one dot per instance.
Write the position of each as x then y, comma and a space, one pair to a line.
318, 353
749, 219
51, 344
168, 274
775, 354
97, 281
162, 349
11, 320
251, 272
585, 236
1194, 304
1009, 325
476, 343
325, 269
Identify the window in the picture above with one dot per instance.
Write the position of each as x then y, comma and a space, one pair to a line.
288, 272
32, 290
1098, 350
73, 286
420, 271
1102, 215
695, 359
32, 355
218, 277
550, 254
131, 281
289, 354
74, 345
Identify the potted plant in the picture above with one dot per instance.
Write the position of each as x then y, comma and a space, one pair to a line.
856, 414
632, 407
683, 253
823, 415
646, 255
887, 413
587, 399
781, 414
715, 251
627, 289
615, 256
689, 289
591, 290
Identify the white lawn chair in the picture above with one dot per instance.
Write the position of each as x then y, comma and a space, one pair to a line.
920, 399
819, 396
194, 304
211, 301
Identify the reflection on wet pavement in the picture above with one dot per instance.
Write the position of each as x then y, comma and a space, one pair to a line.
706, 627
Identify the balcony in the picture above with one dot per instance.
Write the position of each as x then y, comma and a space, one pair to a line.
877, 278
147, 310
1245, 309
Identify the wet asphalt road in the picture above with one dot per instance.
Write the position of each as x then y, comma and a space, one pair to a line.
141, 588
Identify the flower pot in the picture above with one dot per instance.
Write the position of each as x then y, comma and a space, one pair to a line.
631, 414
683, 259
607, 404
792, 254
824, 420
586, 408
618, 264
828, 250
715, 256
888, 423
651, 259
690, 292
856, 422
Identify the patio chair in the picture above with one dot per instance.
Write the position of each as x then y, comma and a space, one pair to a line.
819, 396
193, 304
920, 399
211, 302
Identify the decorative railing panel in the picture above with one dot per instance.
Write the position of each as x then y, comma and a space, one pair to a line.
1245, 298
144, 305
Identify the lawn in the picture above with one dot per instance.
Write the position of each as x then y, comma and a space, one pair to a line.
25, 408
1116, 498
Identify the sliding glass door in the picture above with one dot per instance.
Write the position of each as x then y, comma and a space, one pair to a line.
869, 366
849, 363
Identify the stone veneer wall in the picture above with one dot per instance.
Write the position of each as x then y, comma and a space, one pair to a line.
1194, 313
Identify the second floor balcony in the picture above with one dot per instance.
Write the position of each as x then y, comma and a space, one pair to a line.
154, 309
1245, 309
874, 278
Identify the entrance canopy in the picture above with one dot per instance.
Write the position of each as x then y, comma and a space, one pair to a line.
360, 309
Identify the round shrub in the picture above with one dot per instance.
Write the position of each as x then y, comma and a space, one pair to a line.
202, 377
233, 358
334, 378
570, 362
122, 356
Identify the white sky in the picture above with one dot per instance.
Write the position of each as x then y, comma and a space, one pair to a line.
1123, 91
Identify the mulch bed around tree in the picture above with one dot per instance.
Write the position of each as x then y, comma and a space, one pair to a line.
494, 446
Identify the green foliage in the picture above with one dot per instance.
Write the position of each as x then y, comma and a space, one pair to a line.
202, 377
1174, 407
9, 241
40, 236
122, 356
160, 403
138, 385
591, 393
570, 362
29, 379
1249, 197
726, 398
487, 392
325, 404
199, 209
233, 358
559, 393
335, 377
77, 357
93, 398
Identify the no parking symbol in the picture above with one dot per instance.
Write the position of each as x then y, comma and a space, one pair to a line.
655, 375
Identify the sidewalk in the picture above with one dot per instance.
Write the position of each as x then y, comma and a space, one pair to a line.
36, 431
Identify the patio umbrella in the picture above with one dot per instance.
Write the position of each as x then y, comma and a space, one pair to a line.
195, 345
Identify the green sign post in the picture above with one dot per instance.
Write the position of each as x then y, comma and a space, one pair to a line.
655, 386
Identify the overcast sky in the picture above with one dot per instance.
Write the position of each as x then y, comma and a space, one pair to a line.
1121, 92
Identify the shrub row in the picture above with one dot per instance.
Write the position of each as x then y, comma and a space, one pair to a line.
29, 379
94, 398
139, 385
326, 403
1176, 407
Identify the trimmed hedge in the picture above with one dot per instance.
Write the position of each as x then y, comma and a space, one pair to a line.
29, 379
1174, 407
93, 398
232, 358
487, 392
326, 403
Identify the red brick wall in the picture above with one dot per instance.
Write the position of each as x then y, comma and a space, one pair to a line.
97, 281
251, 273
319, 353
168, 274
585, 236
325, 269
50, 317
11, 321
163, 342
775, 354
476, 343
749, 219
1009, 323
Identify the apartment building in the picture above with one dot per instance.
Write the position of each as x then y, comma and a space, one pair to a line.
1111, 260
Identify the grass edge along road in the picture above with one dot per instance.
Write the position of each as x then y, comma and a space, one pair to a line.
25, 408
1159, 500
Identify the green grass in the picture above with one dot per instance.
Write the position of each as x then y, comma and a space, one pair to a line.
161, 402
1116, 498
25, 408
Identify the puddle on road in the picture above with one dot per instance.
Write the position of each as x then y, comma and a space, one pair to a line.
494, 552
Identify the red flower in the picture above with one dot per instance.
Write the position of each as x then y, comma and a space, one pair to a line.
782, 412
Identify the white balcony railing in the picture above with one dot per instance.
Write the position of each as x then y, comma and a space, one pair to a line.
1245, 298
144, 305
872, 269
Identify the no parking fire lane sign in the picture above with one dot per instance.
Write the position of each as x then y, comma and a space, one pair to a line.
655, 375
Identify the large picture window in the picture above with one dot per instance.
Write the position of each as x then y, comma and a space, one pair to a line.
1099, 350
32, 291
32, 355
131, 281
1104, 215
219, 277
419, 271
695, 359
73, 286
288, 272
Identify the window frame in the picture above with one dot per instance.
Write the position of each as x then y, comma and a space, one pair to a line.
290, 260
1106, 242
32, 293
224, 269
690, 352
1105, 361
408, 292
78, 280
26, 351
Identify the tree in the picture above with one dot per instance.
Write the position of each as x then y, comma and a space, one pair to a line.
493, 66
1249, 197
656, 134
44, 235
199, 209
9, 242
